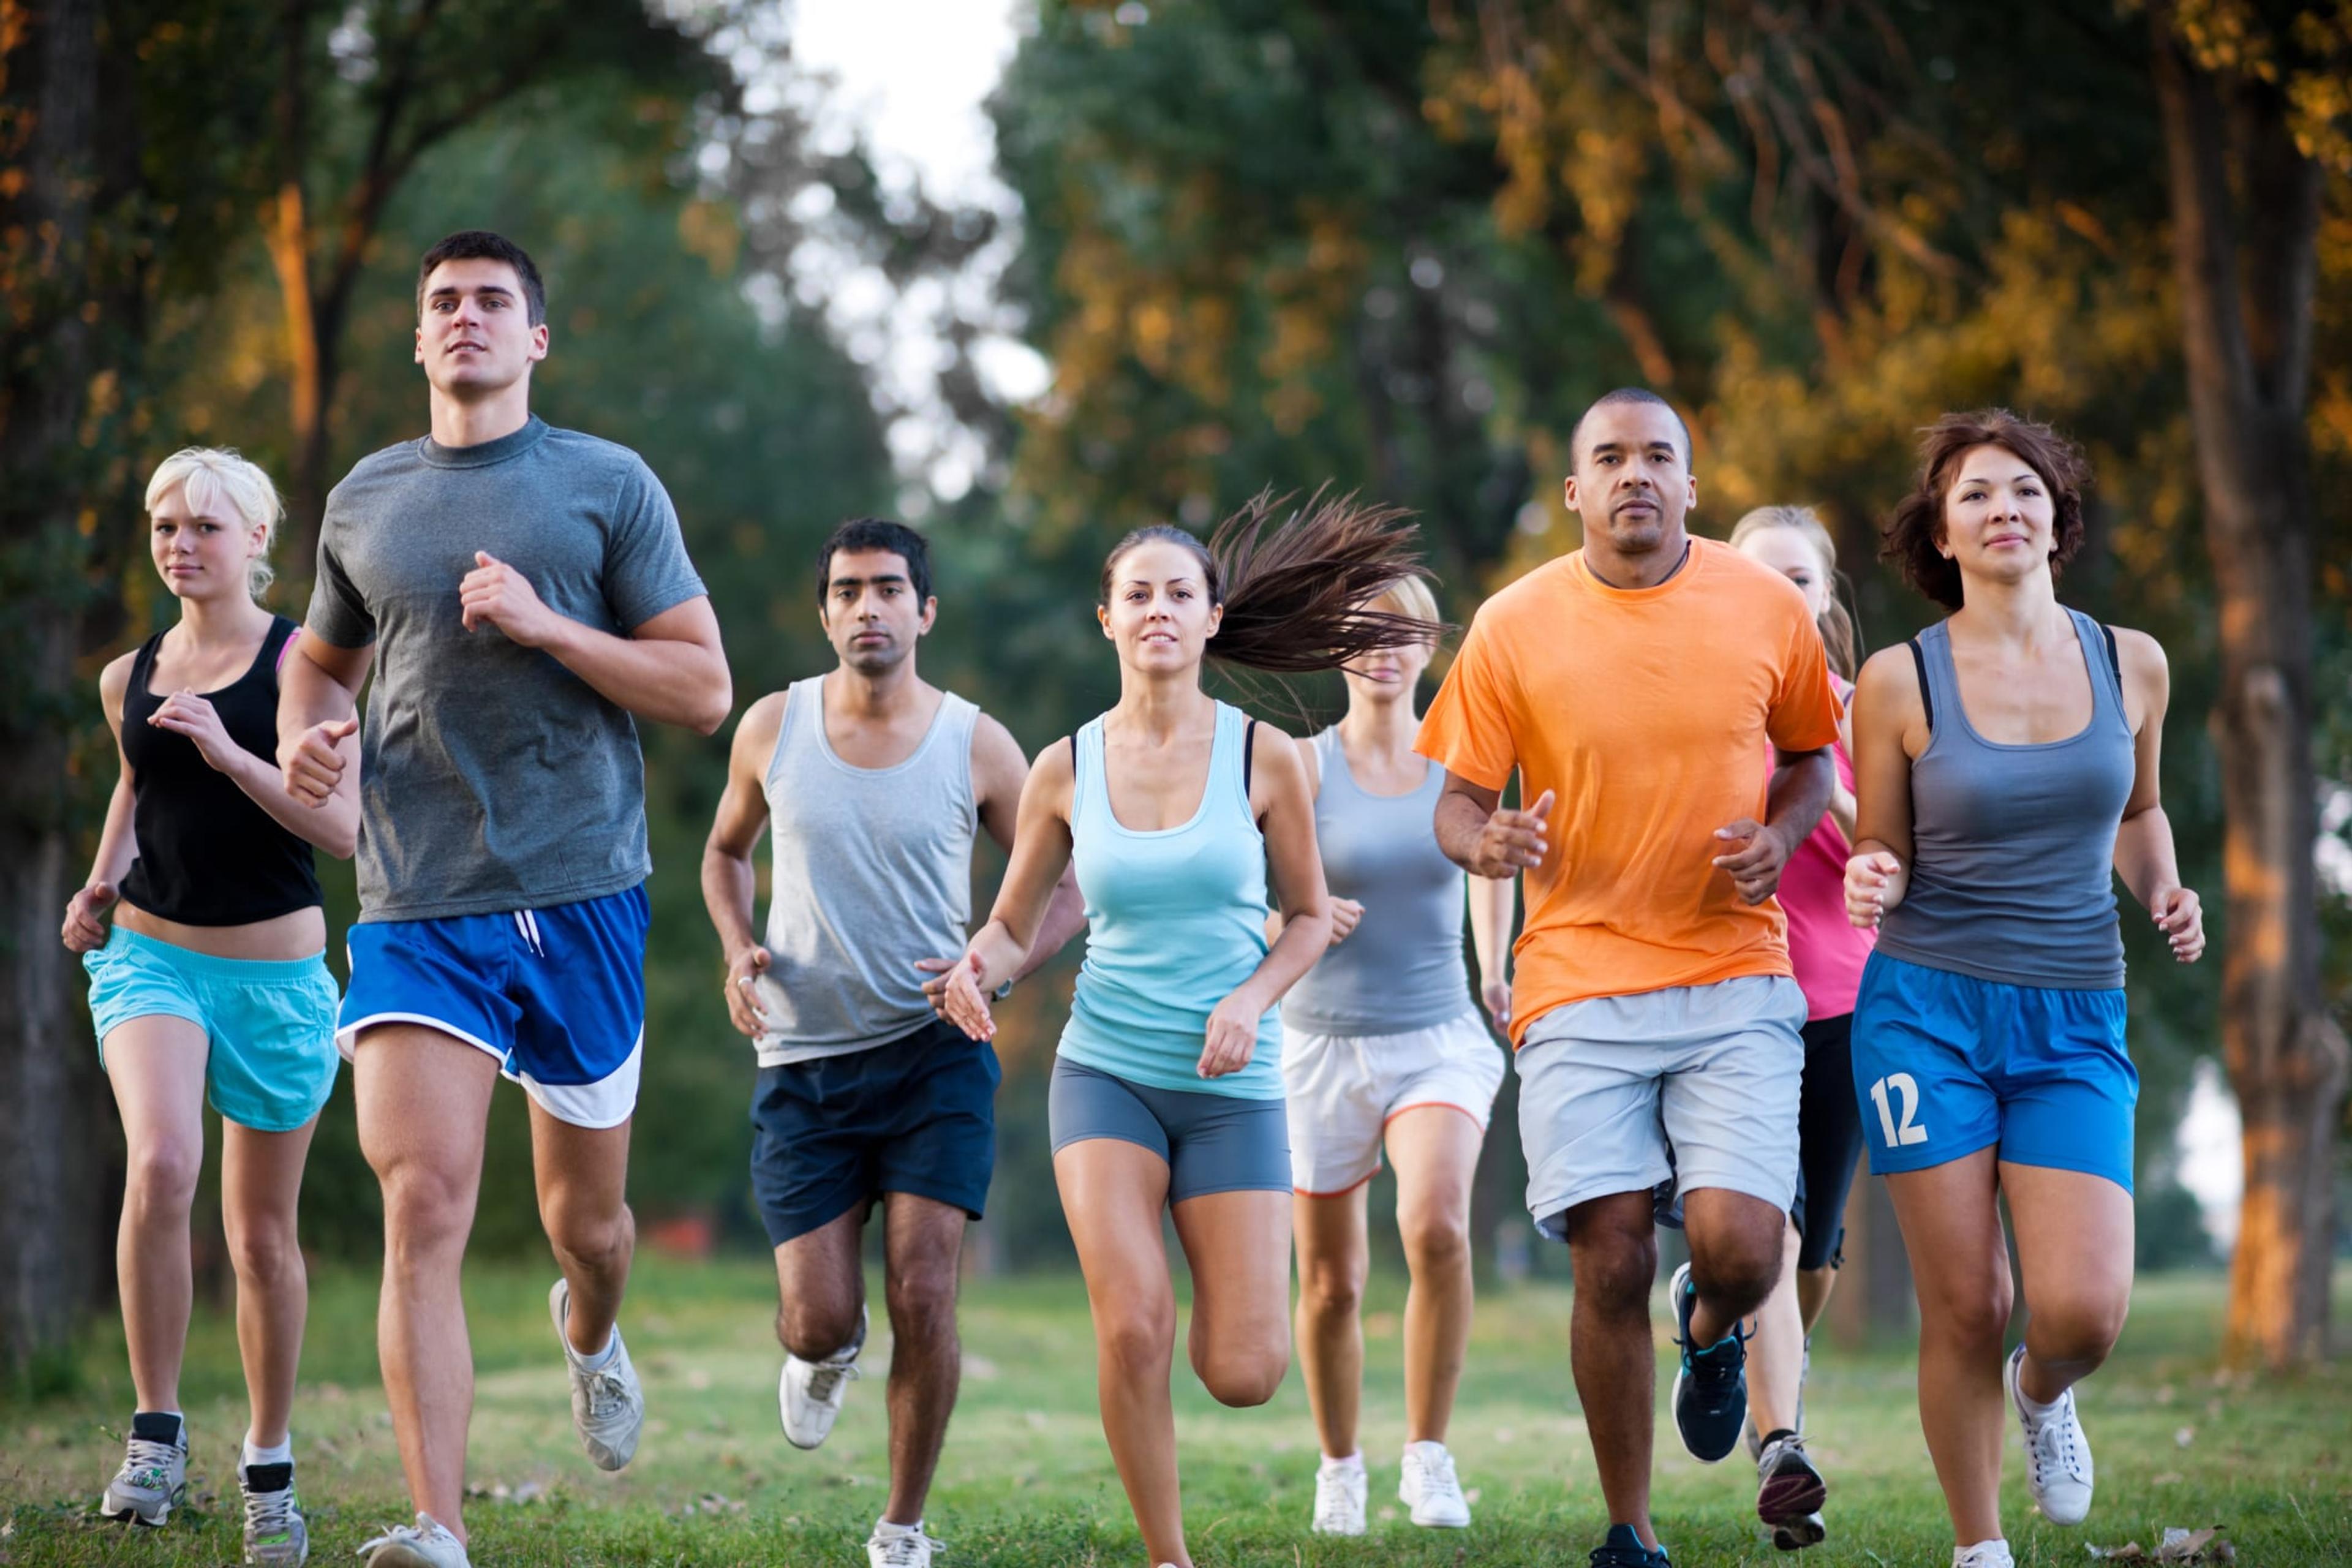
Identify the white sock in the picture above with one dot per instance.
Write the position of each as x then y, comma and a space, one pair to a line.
1354, 1461
886, 1530
276, 1454
1428, 1447
595, 1361
2036, 1410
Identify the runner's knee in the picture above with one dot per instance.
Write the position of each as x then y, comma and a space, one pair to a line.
815, 1329
1135, 1343
921, 1298
263, 1252
587, 1234
2076, 1329
1616, 1264
1973, 1311
1331, 1287
161, 1177
1242, 1376
1434, 1237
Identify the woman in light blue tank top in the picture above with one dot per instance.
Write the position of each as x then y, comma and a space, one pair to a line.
2006, 775
1178, 812
1382, 1044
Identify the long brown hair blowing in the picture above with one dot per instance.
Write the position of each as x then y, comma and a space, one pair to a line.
1836, 622
1294, 587
1917, 527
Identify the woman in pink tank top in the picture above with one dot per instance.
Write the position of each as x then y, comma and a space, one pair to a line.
1827, 953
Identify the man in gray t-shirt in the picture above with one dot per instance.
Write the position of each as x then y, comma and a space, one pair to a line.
523, 596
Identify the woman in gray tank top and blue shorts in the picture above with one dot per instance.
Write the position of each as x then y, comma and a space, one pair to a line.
1382, 1041
2006, 762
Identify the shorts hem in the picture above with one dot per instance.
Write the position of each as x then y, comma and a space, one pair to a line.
801, 1227
132, 1015
347, 1036
953, 1200
2059, 1164
295, 1126
1893, 1163
1093, 1137
1209, 1192
1434, 1105
1337, 1192
1548, 1210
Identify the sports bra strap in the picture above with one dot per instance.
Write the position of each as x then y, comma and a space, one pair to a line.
1249, 748
1927, 703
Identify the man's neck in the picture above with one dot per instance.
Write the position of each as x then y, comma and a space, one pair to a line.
473, 421
1646, 570
883, 697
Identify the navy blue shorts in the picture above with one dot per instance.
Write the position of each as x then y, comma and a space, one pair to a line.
917, 1114
558, 995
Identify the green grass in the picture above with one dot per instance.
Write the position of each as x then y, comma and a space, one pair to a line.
1026, 1479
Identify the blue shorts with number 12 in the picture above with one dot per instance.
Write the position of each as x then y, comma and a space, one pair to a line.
1945, 1064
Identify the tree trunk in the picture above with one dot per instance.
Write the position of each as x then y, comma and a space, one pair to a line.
2246, 212
49, 1164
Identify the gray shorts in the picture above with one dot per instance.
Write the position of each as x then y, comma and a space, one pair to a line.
1212, 1143
1664, 1092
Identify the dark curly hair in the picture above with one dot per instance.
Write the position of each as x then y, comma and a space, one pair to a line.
1912, 534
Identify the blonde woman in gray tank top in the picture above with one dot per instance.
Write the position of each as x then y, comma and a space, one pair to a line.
1382, 1041
2006, 775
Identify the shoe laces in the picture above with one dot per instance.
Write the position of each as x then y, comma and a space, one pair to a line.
1335, 1498
270, 1514
608, 1391
826, 1376
904, 1550
1437, 1476
405, 1535
147, 1462
2052, 1449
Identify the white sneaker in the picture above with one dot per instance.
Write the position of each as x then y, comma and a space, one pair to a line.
428, 1546
1983, 1554
892, 1546
2057, 1455
154, 1475
275, 1533
810, 1393
608, 1407
1339, 1488
1429, 1489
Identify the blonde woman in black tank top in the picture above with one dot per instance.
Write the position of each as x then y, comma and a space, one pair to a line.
212, 984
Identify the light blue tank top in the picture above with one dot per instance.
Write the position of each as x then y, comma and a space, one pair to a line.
1175, 923
2013, 846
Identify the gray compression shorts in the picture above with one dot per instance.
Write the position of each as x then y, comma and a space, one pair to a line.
1212, 1143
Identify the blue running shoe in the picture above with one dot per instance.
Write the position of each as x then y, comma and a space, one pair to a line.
1623, 1549
1711, 1385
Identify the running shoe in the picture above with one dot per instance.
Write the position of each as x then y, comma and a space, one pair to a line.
428, 1544
1623, 1549
275, 1533
1710, 1385
1339, 1488
2057, 1455
1429, 1489
810, 1393
900, 1548
153, 1476
1790, 1493
608, 1407
1983, 1554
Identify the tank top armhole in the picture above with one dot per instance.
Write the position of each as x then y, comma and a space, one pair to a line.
1927, 701
784, 737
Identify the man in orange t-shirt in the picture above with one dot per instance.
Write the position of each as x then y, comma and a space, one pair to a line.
1630, 686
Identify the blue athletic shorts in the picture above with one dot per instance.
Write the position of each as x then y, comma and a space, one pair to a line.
917, 1114
1212, 1143
1947, 1064
558, 995
269, 1025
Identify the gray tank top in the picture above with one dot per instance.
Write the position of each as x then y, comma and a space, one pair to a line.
2013, 866
1401, 967
872, 871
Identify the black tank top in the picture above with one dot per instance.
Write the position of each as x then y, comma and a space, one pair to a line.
208, 855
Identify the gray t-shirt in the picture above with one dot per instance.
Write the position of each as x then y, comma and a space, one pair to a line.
492, 778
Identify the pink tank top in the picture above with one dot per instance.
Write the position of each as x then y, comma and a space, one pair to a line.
1825, 948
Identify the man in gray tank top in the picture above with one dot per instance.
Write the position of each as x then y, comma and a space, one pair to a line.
872, 781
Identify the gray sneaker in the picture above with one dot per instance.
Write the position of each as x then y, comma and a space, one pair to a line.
428, 1544
274, 1534
155, 1474
608, 1407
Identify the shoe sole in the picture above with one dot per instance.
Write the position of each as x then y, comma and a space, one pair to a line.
1463, 1523
1786, 1500
1796, 1534
162, 1516
399, 1557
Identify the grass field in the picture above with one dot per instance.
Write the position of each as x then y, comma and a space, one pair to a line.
1028, 1482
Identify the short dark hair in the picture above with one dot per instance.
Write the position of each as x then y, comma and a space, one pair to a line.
1621, 395
1912, 534
877, 534
481, 245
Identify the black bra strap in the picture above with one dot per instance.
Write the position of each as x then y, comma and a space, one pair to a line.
1927, 703
1249, 748
2114, 659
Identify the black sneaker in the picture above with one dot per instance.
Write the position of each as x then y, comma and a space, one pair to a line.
1790, 1493
1623, 1549
1711, 1385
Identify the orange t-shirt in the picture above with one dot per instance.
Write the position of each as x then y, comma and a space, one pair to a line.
1642, 711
